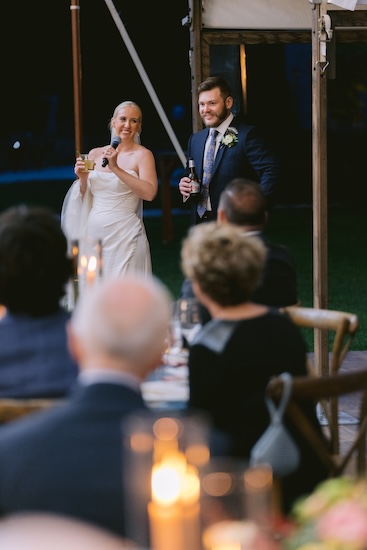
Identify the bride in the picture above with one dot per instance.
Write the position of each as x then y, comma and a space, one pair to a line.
106, 203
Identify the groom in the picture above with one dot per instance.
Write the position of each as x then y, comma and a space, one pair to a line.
236, 151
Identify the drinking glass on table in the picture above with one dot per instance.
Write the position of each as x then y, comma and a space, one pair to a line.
185, 322
186, 314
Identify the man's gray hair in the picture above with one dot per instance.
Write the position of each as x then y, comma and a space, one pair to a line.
125, 318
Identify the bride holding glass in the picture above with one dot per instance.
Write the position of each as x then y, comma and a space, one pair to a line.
106, 203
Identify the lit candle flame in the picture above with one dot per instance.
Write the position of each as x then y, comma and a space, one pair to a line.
166, 484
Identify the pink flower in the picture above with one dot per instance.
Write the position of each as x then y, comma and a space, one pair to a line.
345, 522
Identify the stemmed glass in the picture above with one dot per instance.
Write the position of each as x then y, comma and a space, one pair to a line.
185, 322
187, 316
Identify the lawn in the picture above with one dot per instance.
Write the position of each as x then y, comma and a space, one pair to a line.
347, 256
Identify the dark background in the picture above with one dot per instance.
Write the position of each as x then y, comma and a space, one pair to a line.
37, 76
37, 104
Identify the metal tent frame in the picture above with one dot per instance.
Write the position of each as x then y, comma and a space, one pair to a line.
328, 23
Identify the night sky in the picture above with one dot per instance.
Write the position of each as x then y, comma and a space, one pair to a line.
37, 68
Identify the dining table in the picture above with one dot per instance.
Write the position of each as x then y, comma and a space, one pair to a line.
167, 388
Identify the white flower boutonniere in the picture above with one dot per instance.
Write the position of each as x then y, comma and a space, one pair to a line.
230, 138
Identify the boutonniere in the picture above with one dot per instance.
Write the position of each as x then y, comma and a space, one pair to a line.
230, 138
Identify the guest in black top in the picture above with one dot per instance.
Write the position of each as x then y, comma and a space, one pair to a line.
234, 355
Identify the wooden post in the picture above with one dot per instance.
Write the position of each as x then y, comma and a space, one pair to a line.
195, 9
319, 181
77, 73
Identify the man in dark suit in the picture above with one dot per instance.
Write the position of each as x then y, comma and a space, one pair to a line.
239, 151
69, 459
243, 203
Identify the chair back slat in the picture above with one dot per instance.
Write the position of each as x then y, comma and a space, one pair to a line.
343, 325
11, 409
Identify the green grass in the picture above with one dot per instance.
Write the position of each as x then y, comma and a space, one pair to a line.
347, 258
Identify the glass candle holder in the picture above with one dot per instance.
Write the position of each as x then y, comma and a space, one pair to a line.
163, 457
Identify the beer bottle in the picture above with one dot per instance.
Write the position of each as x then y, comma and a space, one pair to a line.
195, 183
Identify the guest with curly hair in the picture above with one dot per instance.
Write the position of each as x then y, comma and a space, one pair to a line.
233, 356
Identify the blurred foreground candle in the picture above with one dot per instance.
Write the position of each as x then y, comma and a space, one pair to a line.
90, 261
165, 511
163, 457
174, 511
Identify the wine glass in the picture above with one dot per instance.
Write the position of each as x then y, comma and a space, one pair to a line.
185, 321
187, 316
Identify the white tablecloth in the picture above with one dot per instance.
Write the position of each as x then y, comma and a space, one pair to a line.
167, 388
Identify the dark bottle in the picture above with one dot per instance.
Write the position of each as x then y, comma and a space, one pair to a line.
195, 183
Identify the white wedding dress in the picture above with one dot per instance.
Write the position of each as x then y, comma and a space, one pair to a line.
109, 211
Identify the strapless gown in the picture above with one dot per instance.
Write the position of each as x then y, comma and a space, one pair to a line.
109, 211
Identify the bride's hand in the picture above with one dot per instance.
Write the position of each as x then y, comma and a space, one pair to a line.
111, 155
79, 168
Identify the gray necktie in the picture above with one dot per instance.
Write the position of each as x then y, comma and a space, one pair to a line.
208, 166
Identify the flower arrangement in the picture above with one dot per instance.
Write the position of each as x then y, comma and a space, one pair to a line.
238, 535
230, 138
333, 517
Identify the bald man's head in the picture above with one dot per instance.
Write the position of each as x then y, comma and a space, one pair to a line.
124, 319
243, 203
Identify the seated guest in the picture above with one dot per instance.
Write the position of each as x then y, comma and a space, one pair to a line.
243, 203
68, 459
234, 355
34, 357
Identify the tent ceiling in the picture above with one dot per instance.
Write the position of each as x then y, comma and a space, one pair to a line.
261, 14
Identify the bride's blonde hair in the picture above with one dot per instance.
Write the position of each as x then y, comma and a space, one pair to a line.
127, 103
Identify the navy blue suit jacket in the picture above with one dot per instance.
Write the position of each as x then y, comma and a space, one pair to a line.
250, 158
69, 459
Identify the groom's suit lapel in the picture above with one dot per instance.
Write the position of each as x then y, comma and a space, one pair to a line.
218, 158
221, 151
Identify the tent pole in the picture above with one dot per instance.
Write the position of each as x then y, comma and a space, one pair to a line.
152, 93
319, 180
77, 73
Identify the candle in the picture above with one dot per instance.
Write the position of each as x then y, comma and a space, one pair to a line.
174, 509
90, 262
165, 509
91, 270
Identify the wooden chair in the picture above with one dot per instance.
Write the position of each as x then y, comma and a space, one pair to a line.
343, 325
11, 409
316, 389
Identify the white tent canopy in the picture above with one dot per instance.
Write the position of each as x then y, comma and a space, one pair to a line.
256, 14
